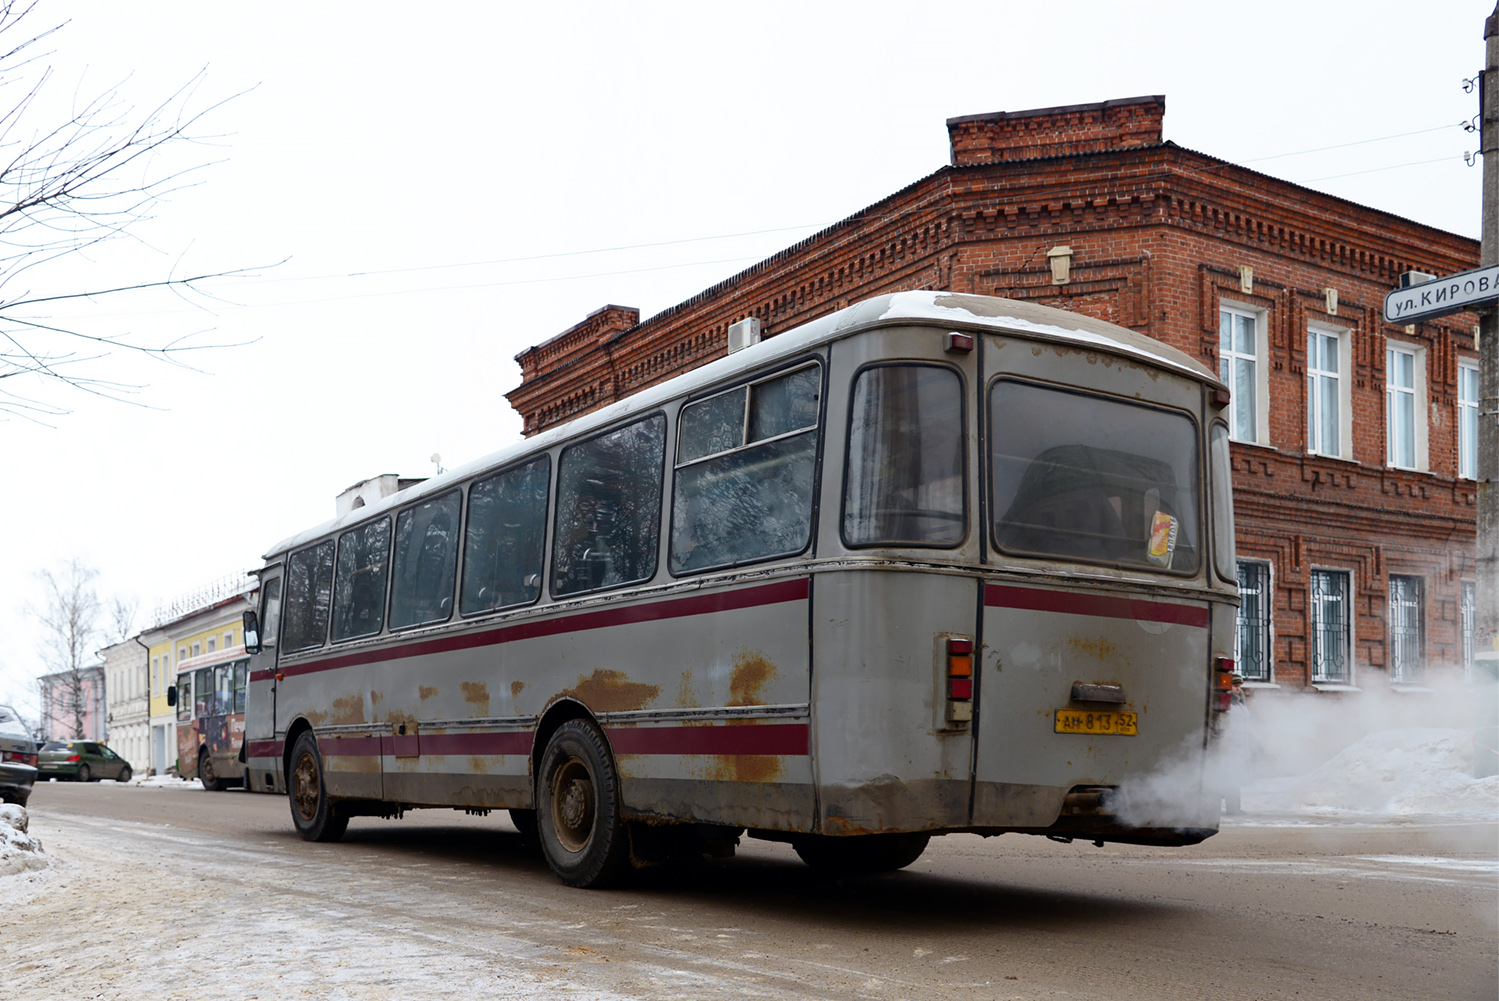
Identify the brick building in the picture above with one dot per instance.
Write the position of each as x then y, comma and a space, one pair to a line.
1353, 437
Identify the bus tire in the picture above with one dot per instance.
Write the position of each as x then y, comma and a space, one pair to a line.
207, 775
577, 808
867, 853
314, 817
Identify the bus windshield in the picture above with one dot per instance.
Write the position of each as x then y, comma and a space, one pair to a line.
1080, 477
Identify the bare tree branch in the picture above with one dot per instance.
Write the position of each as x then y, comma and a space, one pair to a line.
70, 630
69, 187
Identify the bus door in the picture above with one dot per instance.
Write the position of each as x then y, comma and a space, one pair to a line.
262, 751
1094, 652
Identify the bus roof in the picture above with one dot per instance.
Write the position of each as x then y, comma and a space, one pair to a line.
947, 309
212, 659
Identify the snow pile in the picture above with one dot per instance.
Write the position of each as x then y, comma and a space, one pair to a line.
166, 782
1407, 772
19, 851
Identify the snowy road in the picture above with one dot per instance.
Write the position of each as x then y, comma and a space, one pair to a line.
178, 893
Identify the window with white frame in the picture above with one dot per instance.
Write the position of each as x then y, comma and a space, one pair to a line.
1467, 421
1405, 429
1325, 388
1467, 613
212, 644
1331, 627
1406, 645
1252, 630
1240, 350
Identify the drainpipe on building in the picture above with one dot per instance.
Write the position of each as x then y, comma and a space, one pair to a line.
1486, 626
149, 728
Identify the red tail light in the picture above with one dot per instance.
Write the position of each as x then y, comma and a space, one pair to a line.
75, 757
23, 758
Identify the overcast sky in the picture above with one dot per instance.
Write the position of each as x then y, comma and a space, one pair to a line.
423, 190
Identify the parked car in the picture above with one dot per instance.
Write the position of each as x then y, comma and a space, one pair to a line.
17, 758
81, 761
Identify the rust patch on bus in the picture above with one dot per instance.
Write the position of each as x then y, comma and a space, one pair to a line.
315, 718
375, 698
1097, 646
348, 710
611, 692
746, 767
516, 687
751, 673
686, 695
358, 764
476, 694
426, 691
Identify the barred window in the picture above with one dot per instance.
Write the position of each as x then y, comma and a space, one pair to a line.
1407, 662
1330, 626
1253, 627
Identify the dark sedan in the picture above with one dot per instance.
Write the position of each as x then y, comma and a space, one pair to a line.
17, 758
82, 761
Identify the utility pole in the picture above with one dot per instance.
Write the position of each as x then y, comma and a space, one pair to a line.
1486, 626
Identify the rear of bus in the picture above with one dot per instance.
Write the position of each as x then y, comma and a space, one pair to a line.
1036, 595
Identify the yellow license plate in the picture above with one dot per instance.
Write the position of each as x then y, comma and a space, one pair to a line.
1078, 721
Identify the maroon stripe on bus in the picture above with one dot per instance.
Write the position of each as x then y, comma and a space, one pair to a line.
746, 738
477, 743
698, 604
761, 738
1071, 603
353, 747
264, 749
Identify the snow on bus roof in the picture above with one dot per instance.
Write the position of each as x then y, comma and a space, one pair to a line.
978, 312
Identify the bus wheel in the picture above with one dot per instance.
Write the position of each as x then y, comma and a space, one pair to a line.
577, 808
862, 854
315, 818
207, 775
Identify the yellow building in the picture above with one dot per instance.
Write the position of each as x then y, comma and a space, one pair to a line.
203, 621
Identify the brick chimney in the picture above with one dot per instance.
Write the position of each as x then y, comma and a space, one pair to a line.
1076, 128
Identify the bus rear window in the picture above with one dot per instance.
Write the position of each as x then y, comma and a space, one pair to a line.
1080, 477
906, 479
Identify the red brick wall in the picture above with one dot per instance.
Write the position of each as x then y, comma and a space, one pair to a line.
1158, 236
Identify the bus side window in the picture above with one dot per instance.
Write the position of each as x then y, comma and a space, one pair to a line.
241, 672
309, 591
203, 688
426, 560
270, 611
609, 509
185, 698
906, 480
359, 584
743, 488
504, 544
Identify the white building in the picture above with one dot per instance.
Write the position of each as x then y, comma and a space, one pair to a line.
127, 708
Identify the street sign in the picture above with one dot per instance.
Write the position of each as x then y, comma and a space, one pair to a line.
1442, 297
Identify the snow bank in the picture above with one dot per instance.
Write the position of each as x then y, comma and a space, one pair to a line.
19, 851
1410, 772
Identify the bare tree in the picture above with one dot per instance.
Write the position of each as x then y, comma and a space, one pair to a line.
122, 612
70, 632
63, 189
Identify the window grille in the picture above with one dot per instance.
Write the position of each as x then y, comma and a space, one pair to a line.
1405, 629
1252, 642
1329, 627
1467, 615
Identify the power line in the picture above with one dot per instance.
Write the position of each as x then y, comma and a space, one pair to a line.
1375, 170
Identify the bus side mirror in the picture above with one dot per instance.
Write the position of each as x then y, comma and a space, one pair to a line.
252, 632
171, 695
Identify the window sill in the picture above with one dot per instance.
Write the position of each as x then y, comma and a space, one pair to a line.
1332, 686
1253, 444
1405, 469
1260, 684
1333, 458
1405, 688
